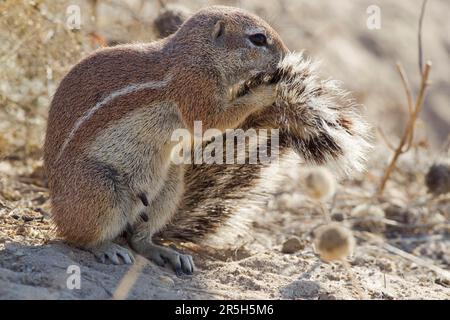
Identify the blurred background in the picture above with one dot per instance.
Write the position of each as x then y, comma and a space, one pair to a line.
38, 46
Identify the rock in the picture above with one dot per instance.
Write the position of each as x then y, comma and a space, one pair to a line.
292, 245
338, 216
21, 231
167, 281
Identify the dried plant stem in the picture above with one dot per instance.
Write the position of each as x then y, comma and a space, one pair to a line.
130, 278
414, 111
162, 4
419, 35
325, 212
380, 244
419, 103
406, 86
439, 271
385, 139
408, 134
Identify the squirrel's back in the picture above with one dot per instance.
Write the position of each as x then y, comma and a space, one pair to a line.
92, 83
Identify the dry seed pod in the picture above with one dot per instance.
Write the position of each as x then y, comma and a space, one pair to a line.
333, 242
170, 19
438, 179
320, 184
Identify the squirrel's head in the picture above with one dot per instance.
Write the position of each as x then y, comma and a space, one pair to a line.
237, 43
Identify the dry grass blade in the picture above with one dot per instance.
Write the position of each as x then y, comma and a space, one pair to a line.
130, 278
406, 86
439, 271
419, 35
418, 107
408, 256
409, 131
385, 139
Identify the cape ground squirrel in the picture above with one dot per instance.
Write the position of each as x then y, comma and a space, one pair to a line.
108, 151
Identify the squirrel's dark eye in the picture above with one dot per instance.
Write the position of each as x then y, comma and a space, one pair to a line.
258, 39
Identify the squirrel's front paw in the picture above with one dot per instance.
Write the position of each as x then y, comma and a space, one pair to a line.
112, 252
264, 95
261, 96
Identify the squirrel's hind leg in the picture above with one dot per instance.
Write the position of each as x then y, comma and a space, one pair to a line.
158, 212
90, 211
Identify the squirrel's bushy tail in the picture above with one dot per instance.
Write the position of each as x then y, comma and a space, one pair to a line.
316, 119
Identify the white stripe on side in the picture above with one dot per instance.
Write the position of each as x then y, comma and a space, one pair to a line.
118, 93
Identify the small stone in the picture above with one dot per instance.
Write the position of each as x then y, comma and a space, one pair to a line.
21, 231
397, 213
326, 296
333, 276
167, 281
338, 216
292, 245
359, 261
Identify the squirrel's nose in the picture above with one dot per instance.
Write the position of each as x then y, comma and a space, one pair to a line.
279, 49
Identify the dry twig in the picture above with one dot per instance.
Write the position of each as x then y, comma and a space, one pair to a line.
414, 109
408, 256
130, 278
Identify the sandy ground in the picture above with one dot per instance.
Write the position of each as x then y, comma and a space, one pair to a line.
34, 264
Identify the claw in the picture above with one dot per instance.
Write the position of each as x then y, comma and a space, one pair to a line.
113, 257
178, 272
144, 216
186, 264
182, 264
112, 252
143, 198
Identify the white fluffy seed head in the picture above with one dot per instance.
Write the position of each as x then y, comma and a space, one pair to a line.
333, 242
170, 19
319, 184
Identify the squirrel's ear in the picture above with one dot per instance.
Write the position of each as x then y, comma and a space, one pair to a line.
218, 30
